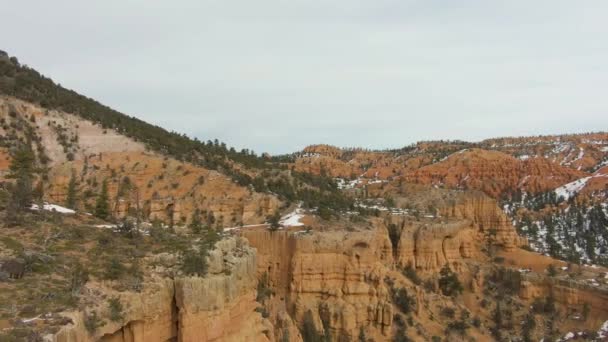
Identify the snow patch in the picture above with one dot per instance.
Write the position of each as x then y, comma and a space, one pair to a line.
572, 188
292, 219
53, 207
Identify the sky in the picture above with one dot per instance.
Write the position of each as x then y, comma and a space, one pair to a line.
276, 76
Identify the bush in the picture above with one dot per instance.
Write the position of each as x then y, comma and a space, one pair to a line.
508, 281
403, 301
92, 322
448, 312
551, 271
116, 310
194, 263
264, 290
449, 283
459, 326
114, 269
410, 272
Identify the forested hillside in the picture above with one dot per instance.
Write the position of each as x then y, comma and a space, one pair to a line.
244, 167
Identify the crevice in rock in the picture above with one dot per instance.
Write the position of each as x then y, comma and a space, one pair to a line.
174, 315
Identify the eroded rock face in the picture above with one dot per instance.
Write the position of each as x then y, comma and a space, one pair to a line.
494, 173
221, 306
336, 276
429, 246
570, 294
217, 307
486, 218
160, 188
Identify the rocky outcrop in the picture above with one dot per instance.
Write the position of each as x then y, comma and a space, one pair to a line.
217, 307
573, 295
494, 173
486, 219
160, 188
429, 246
336, 276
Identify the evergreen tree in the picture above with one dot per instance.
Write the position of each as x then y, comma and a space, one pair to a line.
70, 201
22, 169
449, 283
196, 224
362, 337
102, 206
498, 322
527, 329
274, 221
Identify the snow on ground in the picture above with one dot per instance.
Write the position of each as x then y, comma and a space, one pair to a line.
53, 207
292, 219
603, 332
571, 189
346, 184
568, 190
245, 226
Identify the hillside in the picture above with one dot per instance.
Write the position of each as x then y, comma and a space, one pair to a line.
117, 230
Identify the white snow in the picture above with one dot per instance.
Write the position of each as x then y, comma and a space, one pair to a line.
346, 184
603, 332
245, 226
31, 319
107, 226
568, 190
292, 219
53, 207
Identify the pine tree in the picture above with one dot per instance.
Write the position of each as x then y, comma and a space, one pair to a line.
498, 322
527, 329
196, 224
70, 201
449, 283
273, 220
102, 206
22, 169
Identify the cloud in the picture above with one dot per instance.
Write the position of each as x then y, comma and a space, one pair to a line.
279, 75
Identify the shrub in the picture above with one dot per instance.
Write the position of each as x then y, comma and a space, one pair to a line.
92, 322
264, 290
448, 312
114, 269
193, 263
403, 301
551, 271
508, 281
459, 326
116, 310
410, 272
449, 283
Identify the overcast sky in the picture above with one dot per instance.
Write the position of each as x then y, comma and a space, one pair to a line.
276, 76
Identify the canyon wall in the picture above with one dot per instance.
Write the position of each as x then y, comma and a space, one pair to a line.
337, 276
573, 295
218, 307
